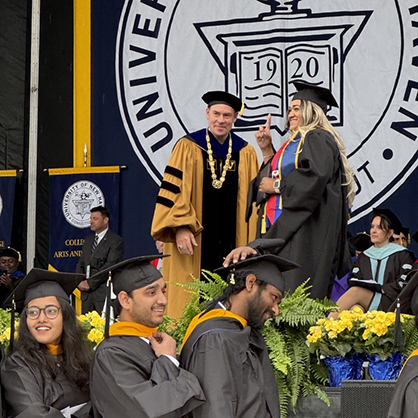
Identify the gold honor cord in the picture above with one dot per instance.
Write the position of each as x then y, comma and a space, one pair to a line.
217, 184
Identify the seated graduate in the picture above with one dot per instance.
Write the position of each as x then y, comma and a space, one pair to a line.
403, 238
48, 370
380, 272
224, 347
405, 398
135, 372
10, 276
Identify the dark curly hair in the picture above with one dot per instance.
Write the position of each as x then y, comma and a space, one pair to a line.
76, 354
239, 283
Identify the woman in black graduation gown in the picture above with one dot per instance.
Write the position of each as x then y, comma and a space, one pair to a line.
303, 192
48, 370
381, 271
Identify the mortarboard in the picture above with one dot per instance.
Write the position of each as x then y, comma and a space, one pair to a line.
129, 275
319, 95
223, 97
394, 222
405, 231
39, 283
361, 241
267, 268
132, 274
10, 252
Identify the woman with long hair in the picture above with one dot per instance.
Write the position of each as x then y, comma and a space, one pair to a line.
48, 370
304, 191
380, 272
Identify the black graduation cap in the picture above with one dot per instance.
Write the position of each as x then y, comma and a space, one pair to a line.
10, 252
133, 273
39, 283
405, 231
394, 222
319, 95
361, 241
267, 268
129, 275
223, 97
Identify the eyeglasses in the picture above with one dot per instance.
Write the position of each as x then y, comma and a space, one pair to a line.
50, 311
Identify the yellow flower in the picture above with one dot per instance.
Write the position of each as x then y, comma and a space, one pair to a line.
97, 322
366, 333
95, 336
332, 334
5, 336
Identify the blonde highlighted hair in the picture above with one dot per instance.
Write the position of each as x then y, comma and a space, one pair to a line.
314, 117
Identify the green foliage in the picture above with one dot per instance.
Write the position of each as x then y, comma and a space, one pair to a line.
202, 292
410, 333
298, 373
5, 321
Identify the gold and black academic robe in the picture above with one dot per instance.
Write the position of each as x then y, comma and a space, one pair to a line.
313, 222
233, 367
405, 398
129, 381
28, 394
179, 203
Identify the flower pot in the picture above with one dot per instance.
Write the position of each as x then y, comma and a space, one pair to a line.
343, 368
385, 369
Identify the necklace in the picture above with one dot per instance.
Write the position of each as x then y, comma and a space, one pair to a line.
217, 184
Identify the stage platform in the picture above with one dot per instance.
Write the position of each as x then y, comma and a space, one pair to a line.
355, 399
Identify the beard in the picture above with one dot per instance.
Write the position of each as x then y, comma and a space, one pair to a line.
257, 312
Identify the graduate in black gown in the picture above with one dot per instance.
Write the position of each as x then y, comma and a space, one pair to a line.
380, 272
405, 397
224, 348
135, 371
304, 191
48, 371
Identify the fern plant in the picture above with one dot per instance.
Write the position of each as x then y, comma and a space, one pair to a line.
298, 372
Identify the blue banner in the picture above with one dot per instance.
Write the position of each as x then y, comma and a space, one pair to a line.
72, 193
7, 198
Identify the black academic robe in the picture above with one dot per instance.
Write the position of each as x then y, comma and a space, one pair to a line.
398, 266
405, 398
234, 369
27, 394
128, 380
313, 222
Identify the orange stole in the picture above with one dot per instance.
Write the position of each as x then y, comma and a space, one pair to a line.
214, 313
131, 328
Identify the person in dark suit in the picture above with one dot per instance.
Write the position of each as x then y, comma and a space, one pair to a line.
101, 250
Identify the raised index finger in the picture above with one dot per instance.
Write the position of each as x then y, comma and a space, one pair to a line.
268, 122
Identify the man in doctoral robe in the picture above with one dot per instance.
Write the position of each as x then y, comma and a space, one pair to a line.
101, 250
201, 206
135, 372
10, 276
224, 348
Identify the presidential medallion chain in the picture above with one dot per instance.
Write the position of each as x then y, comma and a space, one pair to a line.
217, 184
